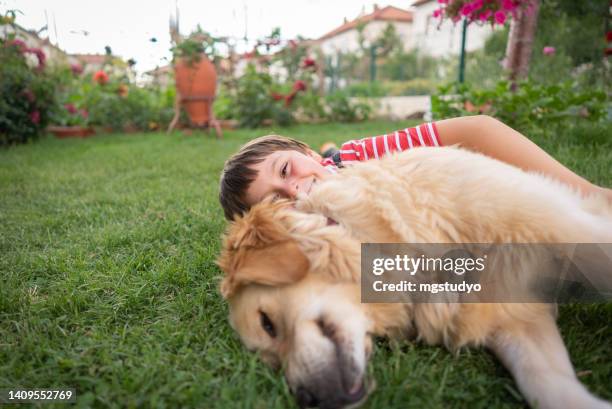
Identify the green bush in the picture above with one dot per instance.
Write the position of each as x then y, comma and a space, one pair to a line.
224, 106
253, 101
532, 105
343, 110
310, 106
26, 95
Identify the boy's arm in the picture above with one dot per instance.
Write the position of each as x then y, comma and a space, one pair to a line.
491, 137
376, 147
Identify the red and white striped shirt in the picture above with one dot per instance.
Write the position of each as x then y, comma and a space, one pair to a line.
376, 147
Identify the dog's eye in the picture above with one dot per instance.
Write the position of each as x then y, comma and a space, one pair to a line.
266, 324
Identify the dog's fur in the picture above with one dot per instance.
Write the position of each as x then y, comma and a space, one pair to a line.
292, 279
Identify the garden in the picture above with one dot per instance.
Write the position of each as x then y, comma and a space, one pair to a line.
109, 281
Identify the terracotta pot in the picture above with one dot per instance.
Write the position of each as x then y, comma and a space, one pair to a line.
196, 84
71, 131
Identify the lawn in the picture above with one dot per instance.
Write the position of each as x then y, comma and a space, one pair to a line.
108, 282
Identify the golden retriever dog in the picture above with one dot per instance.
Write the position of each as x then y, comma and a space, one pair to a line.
292, 278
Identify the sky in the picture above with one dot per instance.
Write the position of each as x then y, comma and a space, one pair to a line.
86, 26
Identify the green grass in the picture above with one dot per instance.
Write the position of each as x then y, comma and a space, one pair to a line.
108, 283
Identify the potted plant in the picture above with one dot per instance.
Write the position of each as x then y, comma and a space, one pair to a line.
195, 76
71, 122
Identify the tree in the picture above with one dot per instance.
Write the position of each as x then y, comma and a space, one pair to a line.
522, 13
520, 41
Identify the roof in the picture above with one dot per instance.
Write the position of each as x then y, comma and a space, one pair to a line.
420, 3
388, 13
164, 69
90, 58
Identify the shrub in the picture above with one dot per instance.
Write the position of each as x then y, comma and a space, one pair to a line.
26, 93
531, 105
342, 109
253, 101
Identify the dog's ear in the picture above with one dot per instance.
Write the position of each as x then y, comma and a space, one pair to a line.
258, 249
275, 264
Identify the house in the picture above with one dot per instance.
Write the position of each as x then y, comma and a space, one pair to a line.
159, 76
345, 38
436, 39
54, 55
91, 62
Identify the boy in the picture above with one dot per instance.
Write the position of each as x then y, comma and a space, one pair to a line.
284, 167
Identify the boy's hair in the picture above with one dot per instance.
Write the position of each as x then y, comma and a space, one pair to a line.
238, 174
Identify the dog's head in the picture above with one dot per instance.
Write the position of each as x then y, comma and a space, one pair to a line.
309, 322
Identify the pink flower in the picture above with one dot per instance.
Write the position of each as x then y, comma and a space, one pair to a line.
548, 50
70, 108
477, 5
19, 44
76, 68
35, 117
40, 55
466, 10
437, 13
443, 1
485, 15
500, 17
84, 113
508, 5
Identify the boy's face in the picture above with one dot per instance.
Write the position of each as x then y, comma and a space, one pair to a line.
285, 174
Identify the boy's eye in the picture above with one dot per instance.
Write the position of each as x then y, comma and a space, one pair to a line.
284, 170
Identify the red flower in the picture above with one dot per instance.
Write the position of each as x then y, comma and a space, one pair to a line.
70, 108
76, 68
299, 85
309, 62
276, 96
35, 117
289, 98
84, 113
100, 77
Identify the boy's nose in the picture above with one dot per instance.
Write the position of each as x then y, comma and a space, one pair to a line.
291, 189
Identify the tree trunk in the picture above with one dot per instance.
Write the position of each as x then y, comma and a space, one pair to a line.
520, 41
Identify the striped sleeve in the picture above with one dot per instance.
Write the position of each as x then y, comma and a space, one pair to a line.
376, 147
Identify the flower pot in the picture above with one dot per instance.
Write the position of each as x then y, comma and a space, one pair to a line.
62, 132
196, 84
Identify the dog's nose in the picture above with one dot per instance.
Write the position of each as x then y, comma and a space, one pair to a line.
304, 398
